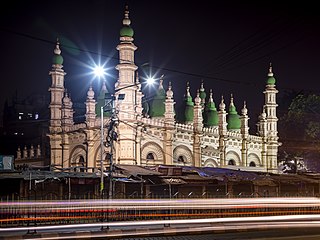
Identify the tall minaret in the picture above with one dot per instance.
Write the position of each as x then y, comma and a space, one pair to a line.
169, 126
244, 133
55, 106
272, 120
57, 90
127, 85
197, 130
222, 132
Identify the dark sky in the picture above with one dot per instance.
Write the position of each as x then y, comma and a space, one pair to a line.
228, 44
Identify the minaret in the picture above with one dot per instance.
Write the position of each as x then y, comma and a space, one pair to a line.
272, 120
197, 130
90, 108
244, 133
67, 113
222, 131
57, 90
263, 132
169, 126
126, 84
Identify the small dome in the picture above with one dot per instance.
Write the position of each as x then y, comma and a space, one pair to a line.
157, 107
233, 121
57, 59
126, 31
211, 117
188, 113
271, 80
233, 118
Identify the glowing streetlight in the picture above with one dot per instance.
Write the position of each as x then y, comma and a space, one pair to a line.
99, 71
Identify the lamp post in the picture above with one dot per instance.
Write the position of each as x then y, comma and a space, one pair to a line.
102, 148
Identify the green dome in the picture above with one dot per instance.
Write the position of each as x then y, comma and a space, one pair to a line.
188, 112
157, 107
271, 80
126, 31
202, 94
212, 119
57, 59
211, 115
233, 119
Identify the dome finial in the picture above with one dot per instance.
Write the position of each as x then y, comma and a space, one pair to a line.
270, 74
126, 21
188, 89
244, 109
57, 50
169, 92
222, 105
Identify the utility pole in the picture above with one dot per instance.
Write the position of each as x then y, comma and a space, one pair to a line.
111, 137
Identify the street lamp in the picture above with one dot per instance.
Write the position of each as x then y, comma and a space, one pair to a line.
99, 72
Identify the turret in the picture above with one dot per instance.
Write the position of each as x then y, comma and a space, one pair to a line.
233, 118
211, 117
189, 105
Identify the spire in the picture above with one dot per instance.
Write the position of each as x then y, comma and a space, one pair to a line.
57, 58
202, 95
169, 92
197, 100
244, 110
271, 80
126, 21
270, 74
126, 30
222, 105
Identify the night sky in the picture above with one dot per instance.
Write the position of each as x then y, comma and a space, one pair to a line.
228, 44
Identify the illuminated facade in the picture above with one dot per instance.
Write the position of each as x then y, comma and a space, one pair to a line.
151, 135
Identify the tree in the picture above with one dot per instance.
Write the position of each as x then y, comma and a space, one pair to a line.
300, 130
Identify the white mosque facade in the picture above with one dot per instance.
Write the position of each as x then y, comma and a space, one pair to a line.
210, 136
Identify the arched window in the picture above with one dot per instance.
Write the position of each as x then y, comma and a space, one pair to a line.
150, 156
232, 162
181, 159
252, 164
81, 163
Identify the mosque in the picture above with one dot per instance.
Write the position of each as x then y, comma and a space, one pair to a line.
134, 133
